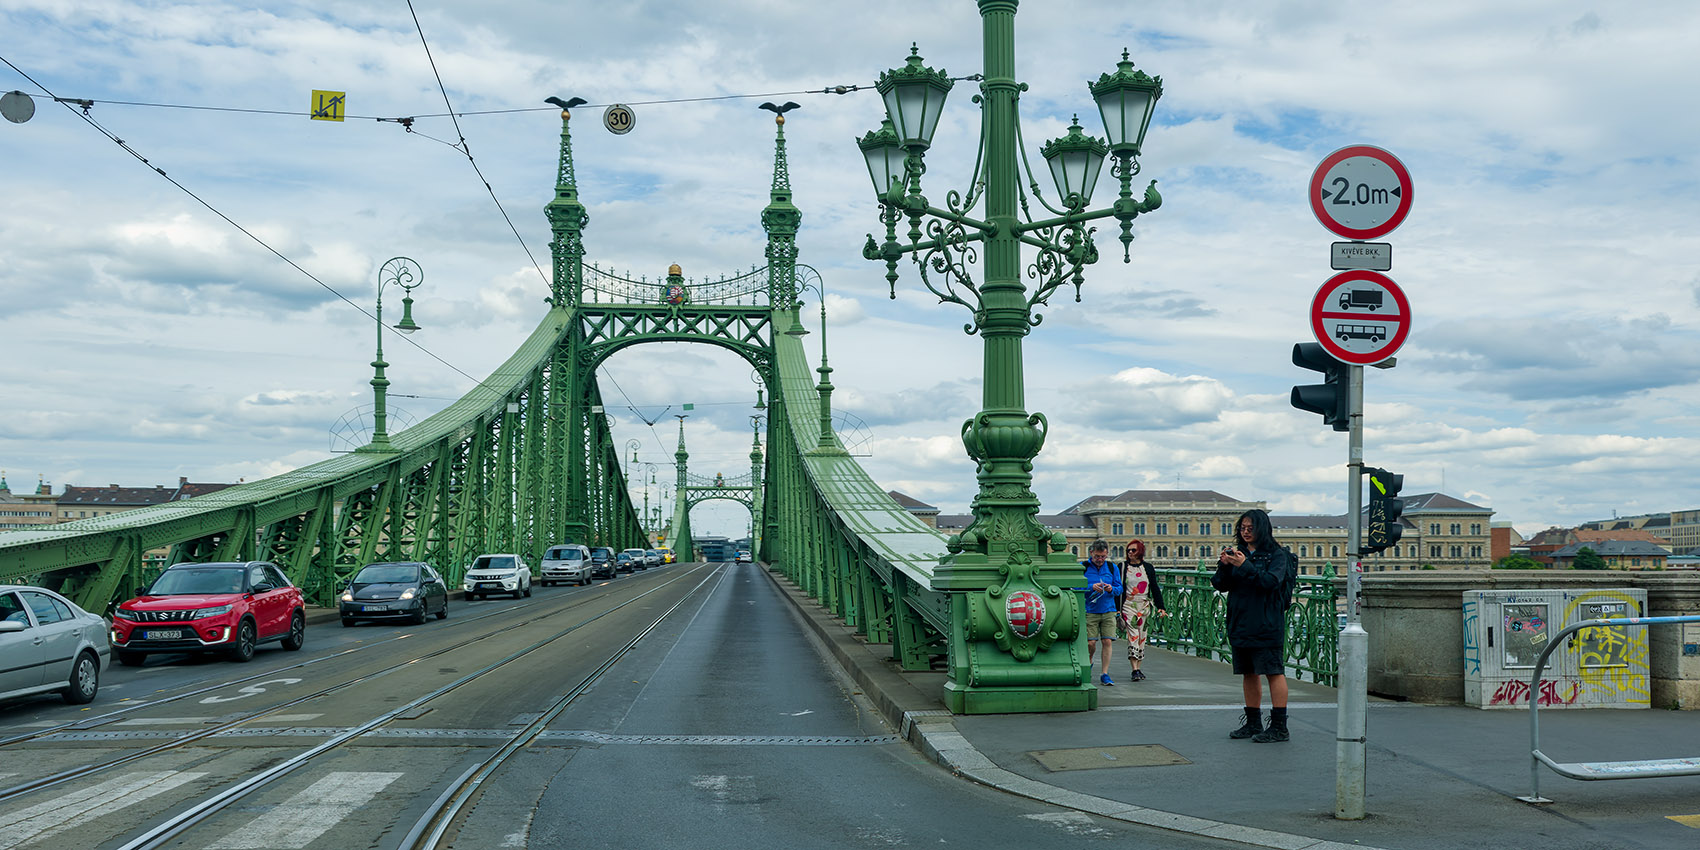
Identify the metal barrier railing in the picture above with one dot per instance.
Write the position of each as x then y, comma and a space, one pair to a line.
1634, 769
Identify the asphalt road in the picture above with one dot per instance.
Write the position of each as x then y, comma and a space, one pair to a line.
722, 727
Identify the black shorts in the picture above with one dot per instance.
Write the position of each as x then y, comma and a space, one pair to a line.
1258, 660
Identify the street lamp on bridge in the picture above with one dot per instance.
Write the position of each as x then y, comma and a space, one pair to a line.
1005, 565
405, 273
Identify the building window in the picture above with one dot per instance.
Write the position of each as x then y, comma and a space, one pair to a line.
1333, 551
1074, 550
1181, 528
1304, 551
1115, 551
1162, 550
1434, 528
1162, 528
1475, 551
1475, 528
1116, 529
1138, 529
1204, 552
1455, 528
1381, 568
1457, 551
1434, 551
1413, 550
1635, 562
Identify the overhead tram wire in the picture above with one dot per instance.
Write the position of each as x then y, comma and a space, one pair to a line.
89, 119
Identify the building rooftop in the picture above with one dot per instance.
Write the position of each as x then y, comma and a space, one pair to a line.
1055, 522
909, 502
1440, 502
1615, 548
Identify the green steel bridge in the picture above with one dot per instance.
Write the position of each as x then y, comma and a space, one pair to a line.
525, 460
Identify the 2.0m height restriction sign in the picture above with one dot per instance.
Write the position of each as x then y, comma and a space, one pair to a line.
1360, 192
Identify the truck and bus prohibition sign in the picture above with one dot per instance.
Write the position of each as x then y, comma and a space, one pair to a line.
1360, 317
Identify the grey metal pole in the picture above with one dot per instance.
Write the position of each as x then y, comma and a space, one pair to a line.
1351, 721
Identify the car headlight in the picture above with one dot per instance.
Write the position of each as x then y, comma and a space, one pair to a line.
203, 613
407, 594
122, 614
347, 596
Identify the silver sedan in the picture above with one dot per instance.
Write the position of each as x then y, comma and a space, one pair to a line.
49, 645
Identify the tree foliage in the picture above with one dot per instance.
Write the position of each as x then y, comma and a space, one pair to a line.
1588, 559
1517, 562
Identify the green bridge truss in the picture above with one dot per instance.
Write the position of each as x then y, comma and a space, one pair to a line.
525, 460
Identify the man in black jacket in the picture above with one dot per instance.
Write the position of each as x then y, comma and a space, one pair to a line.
1257, 575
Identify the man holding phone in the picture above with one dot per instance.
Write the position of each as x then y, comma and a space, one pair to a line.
1103, 586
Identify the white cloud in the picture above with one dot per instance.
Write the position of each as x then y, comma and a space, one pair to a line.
1551, 370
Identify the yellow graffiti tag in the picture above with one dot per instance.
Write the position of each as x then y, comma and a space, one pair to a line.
1612, 660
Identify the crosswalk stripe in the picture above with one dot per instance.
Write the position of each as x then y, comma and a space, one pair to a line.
1686, 820
297, 821
76, 808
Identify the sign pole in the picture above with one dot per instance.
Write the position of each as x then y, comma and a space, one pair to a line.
1351, 721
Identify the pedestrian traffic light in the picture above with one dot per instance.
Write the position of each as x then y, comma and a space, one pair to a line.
1385, 508
1327, 398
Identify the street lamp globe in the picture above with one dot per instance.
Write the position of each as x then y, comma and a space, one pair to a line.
1126, 99
1075, 160
884, 153
914, 98
406, 325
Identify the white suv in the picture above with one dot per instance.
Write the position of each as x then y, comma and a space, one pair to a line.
568, 562
636, 556
497, 574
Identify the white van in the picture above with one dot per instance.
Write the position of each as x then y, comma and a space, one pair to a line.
568, 562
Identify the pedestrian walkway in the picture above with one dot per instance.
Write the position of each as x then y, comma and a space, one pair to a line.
1157, 752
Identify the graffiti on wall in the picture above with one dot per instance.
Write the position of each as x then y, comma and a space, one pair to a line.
1472, 647
1611, 660
1516, 692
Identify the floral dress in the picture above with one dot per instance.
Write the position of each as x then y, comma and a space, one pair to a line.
1136, 609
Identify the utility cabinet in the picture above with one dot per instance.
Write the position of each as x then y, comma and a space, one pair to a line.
1505, 632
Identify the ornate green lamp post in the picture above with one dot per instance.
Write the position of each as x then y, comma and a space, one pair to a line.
1017, 644
828, 440
405, 273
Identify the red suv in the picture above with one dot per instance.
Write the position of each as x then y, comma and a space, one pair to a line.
224, 607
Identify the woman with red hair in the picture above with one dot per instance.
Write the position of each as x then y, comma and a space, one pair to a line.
1142, 598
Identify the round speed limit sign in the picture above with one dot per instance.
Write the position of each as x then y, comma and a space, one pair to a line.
619, 119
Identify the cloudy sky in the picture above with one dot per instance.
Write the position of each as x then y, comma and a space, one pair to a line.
1551, 256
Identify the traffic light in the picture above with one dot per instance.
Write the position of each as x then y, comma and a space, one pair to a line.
1385, 507
1327, 398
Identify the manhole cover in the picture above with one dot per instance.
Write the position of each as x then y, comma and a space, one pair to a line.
1098, 758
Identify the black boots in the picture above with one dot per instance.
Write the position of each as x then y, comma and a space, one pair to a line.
1253, 724
1277, 731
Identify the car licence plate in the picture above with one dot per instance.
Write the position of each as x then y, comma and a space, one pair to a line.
374, 607
163, 634
489, 586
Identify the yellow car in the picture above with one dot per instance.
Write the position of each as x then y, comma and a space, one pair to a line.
667, 556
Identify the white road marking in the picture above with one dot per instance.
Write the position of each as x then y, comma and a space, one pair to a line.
1074, 823
79, 807
200, 721
253, 690
297, 821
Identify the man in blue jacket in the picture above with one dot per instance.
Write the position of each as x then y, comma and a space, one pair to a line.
1103, 586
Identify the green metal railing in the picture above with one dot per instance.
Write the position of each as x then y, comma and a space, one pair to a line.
1197, 621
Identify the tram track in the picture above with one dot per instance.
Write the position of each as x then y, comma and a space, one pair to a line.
118, 715
428, 831
508, 626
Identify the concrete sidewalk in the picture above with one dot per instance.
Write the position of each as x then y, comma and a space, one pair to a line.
1157, 753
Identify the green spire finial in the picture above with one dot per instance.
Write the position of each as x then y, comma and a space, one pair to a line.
567, 218
781, 218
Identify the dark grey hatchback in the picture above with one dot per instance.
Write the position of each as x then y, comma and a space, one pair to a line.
405, 589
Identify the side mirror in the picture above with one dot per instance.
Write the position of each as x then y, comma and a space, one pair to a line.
9, 626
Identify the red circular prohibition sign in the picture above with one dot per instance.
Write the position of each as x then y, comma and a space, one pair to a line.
1320, 209
1323, 308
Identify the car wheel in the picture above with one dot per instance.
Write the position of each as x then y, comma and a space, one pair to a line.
128, 658
418, 618
85, 681
443, 612
297, 636
241, 650
527, 587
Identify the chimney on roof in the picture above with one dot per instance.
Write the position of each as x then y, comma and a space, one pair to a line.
182, 481
112, 486
159, 486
